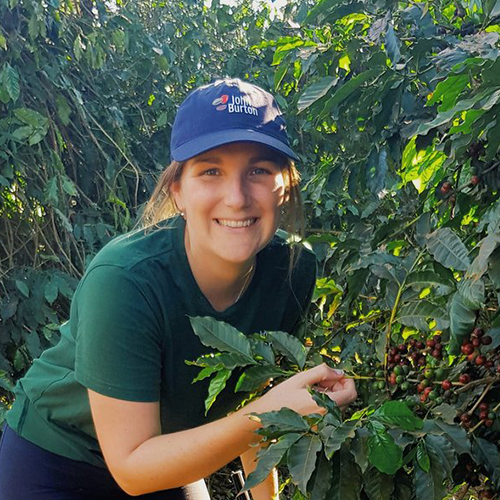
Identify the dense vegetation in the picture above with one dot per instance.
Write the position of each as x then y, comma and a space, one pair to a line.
394, 111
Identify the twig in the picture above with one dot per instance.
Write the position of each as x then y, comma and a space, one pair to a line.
478, 402
475, 383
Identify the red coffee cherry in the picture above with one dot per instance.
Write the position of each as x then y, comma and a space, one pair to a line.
476, 342
480, 360
445, 187
484, 407
474, 180
446, 385
488, 422
430, 343
486, 340
483, 415
478, 332
464, 378
467, 349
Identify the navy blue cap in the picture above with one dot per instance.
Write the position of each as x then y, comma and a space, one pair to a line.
225, 111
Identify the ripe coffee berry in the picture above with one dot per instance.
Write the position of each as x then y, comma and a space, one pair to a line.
465, 417
480, 360
478, 332
464, 378
488, 422
445, 187
419, 345
474, 180
486, 340
476, 342
467, 349
483, 415
437, 339
446, 385
484, 407
436, 353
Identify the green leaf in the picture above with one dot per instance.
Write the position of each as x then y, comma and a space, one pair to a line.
347, 89
302, 459
392, 45
206, 372
486, 248
162, 120
448, 90
270, 458
23, 288
69, 186
289, 346
51, 291
472, 292
359, 448
383, 452
255, 376
429, 486
321, 479
22, 133
447, 248
441, 451
315, 92
462, 320
31, 117
10, 78
423, 457
486, 453
417, 314
377, 485
424, 279
221, 336
285, 419
334, 437
397, 414
346, 482
216, 386
262, 351
454, 434
3, 42
63, 110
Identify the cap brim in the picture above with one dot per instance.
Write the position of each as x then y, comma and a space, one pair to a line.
216, 139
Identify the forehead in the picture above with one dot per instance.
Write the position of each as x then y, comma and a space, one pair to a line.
250, 150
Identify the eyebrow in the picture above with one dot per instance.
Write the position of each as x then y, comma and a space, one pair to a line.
256, 159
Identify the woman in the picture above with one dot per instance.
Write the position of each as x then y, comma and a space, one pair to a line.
110, 411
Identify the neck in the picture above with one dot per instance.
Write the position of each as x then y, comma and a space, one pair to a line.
221, 283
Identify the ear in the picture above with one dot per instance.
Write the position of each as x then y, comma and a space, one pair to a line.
176, 191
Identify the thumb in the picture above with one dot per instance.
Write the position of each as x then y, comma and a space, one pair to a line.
321, 373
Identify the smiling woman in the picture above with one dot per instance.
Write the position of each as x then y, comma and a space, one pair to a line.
110, 411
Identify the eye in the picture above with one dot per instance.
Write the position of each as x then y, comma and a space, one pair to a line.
210, 171
260, 171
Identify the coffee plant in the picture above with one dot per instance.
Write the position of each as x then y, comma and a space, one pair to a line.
393, 108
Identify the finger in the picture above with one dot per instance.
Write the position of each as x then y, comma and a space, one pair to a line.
321, 375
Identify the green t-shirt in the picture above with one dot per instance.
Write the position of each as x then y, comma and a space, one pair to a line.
129, 335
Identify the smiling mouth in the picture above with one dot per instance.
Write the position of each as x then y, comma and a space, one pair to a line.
236, 223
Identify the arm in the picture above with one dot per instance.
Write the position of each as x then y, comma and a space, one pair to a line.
142, 460
268, 489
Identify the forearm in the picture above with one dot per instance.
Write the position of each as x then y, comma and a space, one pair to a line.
172, 460
268, 489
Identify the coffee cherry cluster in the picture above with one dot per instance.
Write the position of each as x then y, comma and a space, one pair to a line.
471, 347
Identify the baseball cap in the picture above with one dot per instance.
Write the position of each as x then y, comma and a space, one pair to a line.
225, 111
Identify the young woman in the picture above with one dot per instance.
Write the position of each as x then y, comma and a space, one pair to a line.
110, 411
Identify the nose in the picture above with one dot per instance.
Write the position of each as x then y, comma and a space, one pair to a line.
237, 195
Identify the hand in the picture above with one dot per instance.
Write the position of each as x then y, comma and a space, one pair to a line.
293, 393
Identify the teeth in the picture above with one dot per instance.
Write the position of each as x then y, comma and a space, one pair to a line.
236, 223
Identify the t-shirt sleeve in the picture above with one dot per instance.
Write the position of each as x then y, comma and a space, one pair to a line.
302, 288
118, 346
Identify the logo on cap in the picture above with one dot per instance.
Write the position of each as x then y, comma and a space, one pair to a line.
238, 104
220, 102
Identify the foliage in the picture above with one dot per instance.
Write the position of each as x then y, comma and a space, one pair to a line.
395, 114
394, 111
88, 93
